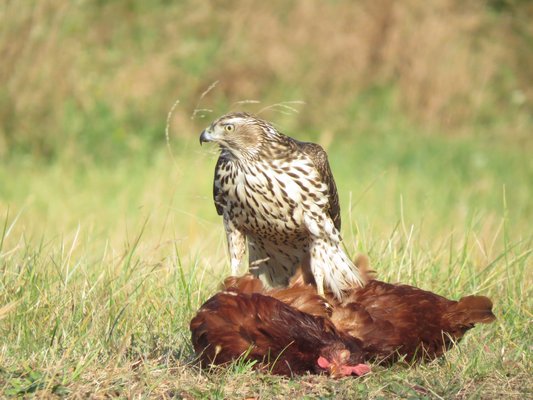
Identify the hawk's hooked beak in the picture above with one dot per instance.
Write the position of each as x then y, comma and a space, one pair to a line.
205, 137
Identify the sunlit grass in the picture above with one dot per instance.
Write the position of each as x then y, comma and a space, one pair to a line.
104, 266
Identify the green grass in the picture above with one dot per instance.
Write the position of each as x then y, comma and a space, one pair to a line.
103, 266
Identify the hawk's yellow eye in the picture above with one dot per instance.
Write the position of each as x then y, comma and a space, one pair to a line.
229, 128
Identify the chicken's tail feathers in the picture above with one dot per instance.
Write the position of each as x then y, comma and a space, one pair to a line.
362, 262
471, 310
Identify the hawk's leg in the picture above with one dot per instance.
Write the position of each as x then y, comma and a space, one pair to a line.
236, 245
317, 269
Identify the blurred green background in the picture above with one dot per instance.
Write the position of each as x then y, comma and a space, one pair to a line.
97, 78
431, 101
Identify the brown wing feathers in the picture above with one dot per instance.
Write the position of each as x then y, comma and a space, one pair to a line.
320, 160
298, 294
392, 321
268, 331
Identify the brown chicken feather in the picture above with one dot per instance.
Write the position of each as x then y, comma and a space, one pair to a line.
404, 321
400, 321
392, 320
298, 294
278, 337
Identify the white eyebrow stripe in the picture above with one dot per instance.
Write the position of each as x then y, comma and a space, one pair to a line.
233, 120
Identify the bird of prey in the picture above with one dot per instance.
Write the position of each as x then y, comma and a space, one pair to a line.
280, 195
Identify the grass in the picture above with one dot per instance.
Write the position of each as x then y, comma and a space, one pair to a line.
103, 267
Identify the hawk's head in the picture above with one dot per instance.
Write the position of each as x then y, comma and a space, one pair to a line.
240, 133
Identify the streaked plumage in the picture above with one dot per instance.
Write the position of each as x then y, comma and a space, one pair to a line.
280, 195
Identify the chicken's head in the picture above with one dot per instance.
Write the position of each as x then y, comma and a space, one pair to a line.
339, 362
